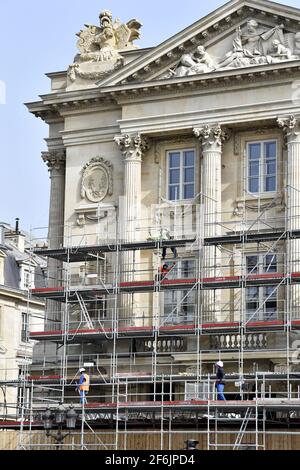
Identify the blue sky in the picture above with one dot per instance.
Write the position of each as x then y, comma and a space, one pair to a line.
37, 37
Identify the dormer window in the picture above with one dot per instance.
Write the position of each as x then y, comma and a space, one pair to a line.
27, 280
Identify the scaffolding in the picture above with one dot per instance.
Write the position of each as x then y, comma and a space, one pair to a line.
150, 340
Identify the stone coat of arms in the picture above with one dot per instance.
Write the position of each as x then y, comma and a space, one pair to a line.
97, 180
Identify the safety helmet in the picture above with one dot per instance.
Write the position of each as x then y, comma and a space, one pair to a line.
219, 364
82, 369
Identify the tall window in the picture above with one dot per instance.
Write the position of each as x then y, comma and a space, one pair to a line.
261, 302
179, 306
181, 174
24, 330
262, 166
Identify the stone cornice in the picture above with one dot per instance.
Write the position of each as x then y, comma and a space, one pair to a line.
19, 294
55, 106
262, 73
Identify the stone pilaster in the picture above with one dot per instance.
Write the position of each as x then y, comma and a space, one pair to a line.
211, 138
291, 129
132, 148
55, 160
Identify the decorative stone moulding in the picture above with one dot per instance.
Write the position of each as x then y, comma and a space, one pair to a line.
97, 180
92, 213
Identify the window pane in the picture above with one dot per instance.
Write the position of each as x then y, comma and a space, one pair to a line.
174, 160
254, 151
254, 168
174, 194
252, 266
174, 176
270, 293
270, 264
270, 150
252, 293
271, 167
270, 184
189, 158
271, 308
189, 191
253, 185
189, 175
188, 268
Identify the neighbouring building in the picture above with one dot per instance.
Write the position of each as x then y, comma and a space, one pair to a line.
174, 231
20, 270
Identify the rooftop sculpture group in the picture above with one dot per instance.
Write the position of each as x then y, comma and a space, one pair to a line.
101, 46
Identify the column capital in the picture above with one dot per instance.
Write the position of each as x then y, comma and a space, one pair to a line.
132, 146
212, 136
290, 126
55, 159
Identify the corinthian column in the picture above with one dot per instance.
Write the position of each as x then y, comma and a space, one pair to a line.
55, 161
132, 148
291, 128
211, 138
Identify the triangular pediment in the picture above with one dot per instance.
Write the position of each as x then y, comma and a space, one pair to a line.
242, 33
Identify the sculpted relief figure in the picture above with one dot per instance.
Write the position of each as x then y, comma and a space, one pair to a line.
192, 64
100, 45
258, 40
280, 51
297, 44
239, 56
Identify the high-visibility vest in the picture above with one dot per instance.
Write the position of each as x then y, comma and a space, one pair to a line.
86, 384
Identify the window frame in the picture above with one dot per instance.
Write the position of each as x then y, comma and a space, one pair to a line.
178, 295
182, 167
262, 176
24, 331
261, 265
28, 278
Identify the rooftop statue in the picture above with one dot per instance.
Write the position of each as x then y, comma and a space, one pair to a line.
97, 44
102, 45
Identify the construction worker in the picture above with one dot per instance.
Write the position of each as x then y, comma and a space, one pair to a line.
164, 234
83, 385
220, 380
164, 271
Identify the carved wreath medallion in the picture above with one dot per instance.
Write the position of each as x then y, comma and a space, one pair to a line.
97, 180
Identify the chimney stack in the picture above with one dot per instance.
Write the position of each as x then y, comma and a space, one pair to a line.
17, 226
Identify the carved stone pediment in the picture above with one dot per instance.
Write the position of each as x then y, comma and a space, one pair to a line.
97, 180
254, 44
227, 39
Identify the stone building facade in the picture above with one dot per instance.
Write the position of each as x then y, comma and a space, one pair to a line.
205, 128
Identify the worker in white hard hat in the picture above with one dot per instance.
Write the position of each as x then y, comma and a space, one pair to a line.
83, 385
220, 380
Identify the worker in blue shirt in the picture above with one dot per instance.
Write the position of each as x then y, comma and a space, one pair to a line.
83, 385
220, 380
